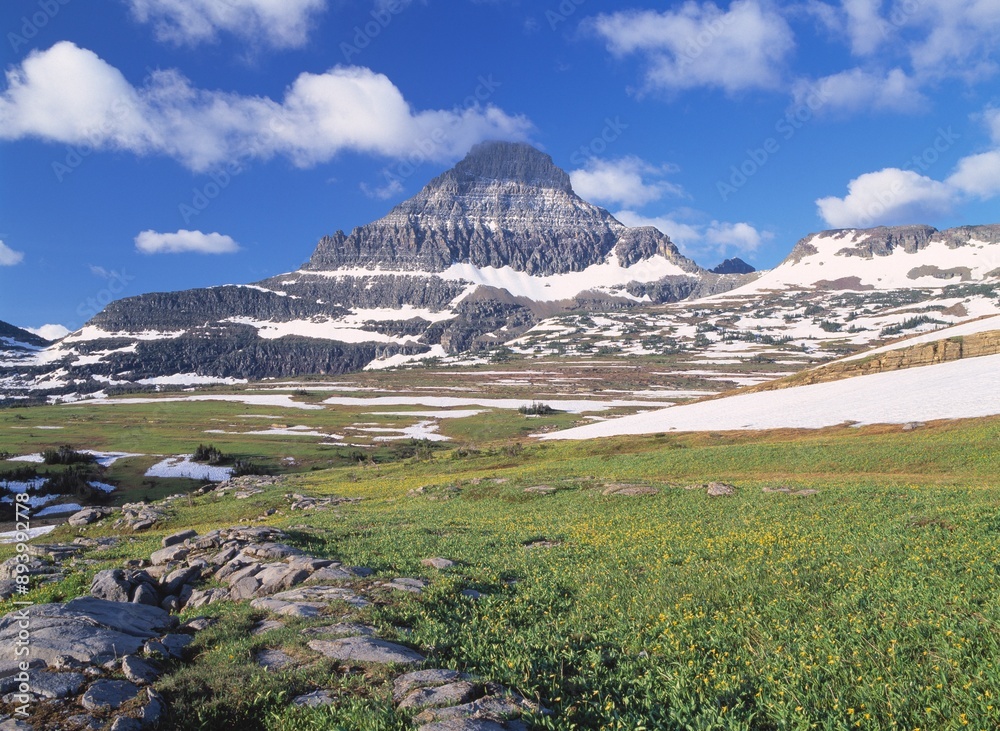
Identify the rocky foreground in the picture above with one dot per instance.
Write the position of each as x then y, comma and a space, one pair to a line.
93, 660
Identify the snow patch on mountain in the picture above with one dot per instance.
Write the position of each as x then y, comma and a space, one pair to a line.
833, 259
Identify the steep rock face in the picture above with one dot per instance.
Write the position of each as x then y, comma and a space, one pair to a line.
733, 266
12, 336
505, 204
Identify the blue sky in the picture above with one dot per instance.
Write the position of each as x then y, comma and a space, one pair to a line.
151, 145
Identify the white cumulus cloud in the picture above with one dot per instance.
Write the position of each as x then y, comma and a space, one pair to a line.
857, 90
893, 196
623, 181
276, 23
184, 241
50, 332
9, 257
69, 95
701, 239
701, 45
887, 197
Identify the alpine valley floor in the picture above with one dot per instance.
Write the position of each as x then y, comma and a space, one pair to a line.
833, 578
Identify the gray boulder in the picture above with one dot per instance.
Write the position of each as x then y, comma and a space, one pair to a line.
111, 585
108, 694
366, 649
85, 629
139, 671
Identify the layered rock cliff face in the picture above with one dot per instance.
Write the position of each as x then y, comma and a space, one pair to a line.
504, 205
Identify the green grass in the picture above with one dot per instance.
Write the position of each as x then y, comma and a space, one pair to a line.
873, 604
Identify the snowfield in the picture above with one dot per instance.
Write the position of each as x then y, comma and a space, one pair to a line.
898, 270
975, 327
183, 467
955, 390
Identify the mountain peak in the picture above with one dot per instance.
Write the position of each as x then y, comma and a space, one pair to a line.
733, 266
507, 162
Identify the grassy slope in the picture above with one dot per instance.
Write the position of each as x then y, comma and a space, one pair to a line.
872, 604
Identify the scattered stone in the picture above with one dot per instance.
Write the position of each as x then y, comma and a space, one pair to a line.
86, 629
266, 625
176, 643
322, 594
315, 699
89, 515
451, 694
139, 516
366, 649
271, 659
124, 723
342, 629
720, 489
154, 709
168, 554
57, 552
438, 563
541, 543
139, 671
305, 610
179, 537
466, 724
471, 593
108, 694
330, 574
110, 585
155, 648
405, 684
271, 551
629, 490
45, 684
910, 426
199, 623
145, 594
173, 581
501, 706
414, 586
204, 598
541, 489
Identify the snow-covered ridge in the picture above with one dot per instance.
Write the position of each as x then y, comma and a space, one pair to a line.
830, 259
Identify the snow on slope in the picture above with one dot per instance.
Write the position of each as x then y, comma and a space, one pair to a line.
882, 272
954, 390
607, 276
604, 277
986, 324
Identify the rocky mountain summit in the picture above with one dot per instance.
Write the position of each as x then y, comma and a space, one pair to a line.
504, 205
